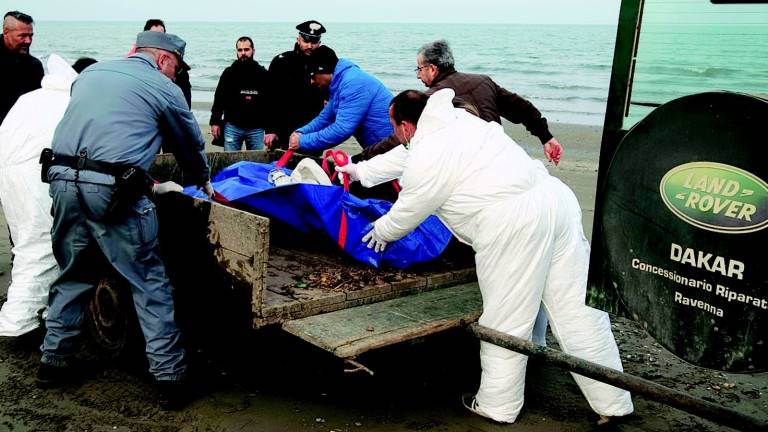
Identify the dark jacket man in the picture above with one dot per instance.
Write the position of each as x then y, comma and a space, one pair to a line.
492, 101
240, 96
22, 73
436, 70
294, 101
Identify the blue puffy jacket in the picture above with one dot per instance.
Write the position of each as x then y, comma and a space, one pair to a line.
359, 106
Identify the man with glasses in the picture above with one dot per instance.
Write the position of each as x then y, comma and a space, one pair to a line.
435, 68
294, 101
22, 73
239, 106
118, 114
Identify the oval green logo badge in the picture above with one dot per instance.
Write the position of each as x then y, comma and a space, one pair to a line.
716, 197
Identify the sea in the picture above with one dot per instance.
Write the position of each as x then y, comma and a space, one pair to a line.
563, 69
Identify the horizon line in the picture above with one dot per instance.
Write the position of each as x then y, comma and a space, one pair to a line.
331, 22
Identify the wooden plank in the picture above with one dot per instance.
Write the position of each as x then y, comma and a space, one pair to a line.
350, 332
236, 230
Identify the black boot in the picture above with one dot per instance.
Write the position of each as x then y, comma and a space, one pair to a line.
49, 376
172, 395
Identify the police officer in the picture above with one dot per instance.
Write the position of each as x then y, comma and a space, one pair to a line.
119, 113
295, 101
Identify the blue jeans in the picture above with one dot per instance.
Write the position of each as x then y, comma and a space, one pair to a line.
234, 137
130, 245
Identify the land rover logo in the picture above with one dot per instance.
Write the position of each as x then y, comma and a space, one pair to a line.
716, 197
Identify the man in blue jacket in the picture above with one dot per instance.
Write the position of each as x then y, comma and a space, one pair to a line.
358, 105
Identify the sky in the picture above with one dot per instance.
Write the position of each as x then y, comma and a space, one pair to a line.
394, 11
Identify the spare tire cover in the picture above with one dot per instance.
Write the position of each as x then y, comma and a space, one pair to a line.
685, 228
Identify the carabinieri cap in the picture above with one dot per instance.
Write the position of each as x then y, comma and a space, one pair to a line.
310, 31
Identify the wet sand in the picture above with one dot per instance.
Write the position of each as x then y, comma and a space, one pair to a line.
271, 381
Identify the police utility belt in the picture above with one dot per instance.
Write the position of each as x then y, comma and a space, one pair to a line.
131, 183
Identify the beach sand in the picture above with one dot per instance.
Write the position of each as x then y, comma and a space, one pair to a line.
280, 384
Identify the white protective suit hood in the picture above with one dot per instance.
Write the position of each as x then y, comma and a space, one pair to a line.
438, 113
60, 74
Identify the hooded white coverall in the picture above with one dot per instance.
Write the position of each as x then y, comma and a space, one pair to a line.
26, 130
525, 227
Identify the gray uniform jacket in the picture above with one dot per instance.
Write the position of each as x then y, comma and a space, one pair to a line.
120, 111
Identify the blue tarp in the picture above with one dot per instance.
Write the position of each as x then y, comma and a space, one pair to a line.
316, 208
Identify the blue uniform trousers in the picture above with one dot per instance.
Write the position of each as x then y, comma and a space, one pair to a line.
131, 247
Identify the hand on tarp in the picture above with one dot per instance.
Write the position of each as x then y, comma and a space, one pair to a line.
374, 241
165, 187
208, 189
350, 170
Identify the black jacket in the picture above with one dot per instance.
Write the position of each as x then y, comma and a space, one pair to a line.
241, 96
294, 101
182, 80
22, 73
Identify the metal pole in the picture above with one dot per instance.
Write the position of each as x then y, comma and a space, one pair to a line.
651, 390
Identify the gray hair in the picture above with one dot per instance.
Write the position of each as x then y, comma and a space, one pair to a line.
437, 53
154, 52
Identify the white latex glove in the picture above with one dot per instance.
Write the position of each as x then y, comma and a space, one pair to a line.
163, 188
374, 241
208, 189
350, 170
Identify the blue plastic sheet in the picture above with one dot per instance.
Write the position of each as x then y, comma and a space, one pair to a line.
316, 208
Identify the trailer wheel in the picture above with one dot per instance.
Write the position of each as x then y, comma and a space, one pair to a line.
111, 316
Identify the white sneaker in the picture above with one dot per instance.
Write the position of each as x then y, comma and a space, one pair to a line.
470, 403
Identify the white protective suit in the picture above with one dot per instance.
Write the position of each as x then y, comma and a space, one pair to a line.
26, 130
525, 227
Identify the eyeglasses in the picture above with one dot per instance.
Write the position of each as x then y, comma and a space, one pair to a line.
419, 68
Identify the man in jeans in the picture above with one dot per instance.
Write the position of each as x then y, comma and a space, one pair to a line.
239, 105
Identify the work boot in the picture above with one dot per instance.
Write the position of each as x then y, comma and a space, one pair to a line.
172, 395
49, 376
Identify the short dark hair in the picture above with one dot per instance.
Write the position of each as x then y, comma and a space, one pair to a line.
245, 39
438, 53
408, 105
82, 63
153, 22
26, 19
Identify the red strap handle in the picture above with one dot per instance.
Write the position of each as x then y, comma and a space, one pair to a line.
340, 158
284, 159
